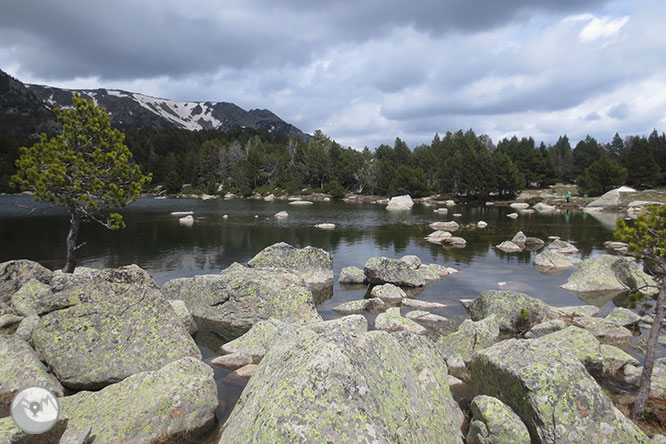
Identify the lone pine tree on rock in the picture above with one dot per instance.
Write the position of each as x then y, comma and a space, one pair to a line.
86, 168
647, 240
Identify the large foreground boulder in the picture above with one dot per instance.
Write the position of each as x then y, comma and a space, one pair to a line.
510, 308
312, 264
176, 401
609, 273
384, 270
119, 324
347, 388
20, 368
552, 393
229, 303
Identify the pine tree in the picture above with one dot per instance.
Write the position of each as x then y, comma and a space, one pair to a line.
86, 168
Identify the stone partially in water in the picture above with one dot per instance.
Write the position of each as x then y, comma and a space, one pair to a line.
445, 226
508, 247
604, 330
549, 260
383, 270
562, 247
388, 293
344, 388
624, 317
234, 300
610, 274
370, 305
351, 275
507, 307
551, 392
400, 203
314, 265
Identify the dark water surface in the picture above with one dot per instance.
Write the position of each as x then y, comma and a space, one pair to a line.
156, 241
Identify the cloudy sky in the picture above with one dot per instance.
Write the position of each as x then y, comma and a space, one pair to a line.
365, 71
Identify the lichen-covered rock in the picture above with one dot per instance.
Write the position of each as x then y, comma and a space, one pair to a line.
118, 328
507, 307
601, 360
158, 406
562, 247
580, 310
421, 305
383, 270
624, 317
427, 318
371, 305
554, 260
184, 315
234, 300
393, 321
16, 273
495, 423
602, 329
351, 275
412, 260
632, 377
400, 203
388, 293
533, 243
347, 388
508, 247
469, 337
312, 264
609, 273
233, 361
545, 328
432, 272
552, 393
445, 226
20, 368
26, 327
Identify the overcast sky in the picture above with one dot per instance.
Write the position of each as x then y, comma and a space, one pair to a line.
365, 71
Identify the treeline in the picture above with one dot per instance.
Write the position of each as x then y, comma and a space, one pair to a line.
457, 164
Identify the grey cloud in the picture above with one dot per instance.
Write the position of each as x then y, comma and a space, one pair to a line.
592, 116
619, 111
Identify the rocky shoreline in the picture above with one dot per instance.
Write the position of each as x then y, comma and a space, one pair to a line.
119, 353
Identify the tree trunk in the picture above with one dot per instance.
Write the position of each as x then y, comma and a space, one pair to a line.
646, 376
74, 224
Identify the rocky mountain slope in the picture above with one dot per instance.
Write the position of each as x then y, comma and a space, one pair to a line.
26, 107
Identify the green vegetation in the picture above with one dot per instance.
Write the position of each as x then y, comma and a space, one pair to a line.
647, 240
86, 168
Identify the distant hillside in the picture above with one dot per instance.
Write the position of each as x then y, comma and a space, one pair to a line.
27, 108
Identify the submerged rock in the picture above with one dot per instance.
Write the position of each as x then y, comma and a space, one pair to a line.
312, 264
551, 392
231, 302
121, 325
383, 270
158, 406
495, 423
339, 387
400, 203
609, 273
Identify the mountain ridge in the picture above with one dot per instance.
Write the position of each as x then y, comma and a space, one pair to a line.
29, 107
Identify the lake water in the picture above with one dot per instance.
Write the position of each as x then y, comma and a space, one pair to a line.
156, 241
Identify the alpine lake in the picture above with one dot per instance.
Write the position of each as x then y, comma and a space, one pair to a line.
156, 241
